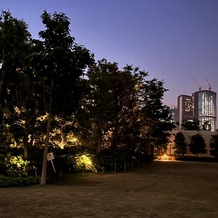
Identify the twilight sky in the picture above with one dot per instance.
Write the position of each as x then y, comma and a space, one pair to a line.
174, 40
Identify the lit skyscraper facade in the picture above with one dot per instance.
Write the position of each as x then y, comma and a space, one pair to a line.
185, 108
205, 108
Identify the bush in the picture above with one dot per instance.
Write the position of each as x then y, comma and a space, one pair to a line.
123, 158
16, 166
2, 165
18, 181
84, 161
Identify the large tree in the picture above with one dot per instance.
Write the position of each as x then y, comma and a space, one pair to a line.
14, 39
157, 119
58, 63
214, 145
16, 90
197, 144
110, 106
180, 144
125, 109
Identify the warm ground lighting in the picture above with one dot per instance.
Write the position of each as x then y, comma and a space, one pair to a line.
165, 157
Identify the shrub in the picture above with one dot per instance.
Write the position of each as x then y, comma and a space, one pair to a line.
2, 165
197, 144
16, 166
18, 181
84, 161
123, 159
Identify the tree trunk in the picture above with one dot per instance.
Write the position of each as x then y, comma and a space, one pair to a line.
1, 79
99, 139
115, 139
44, 165
2, 67
25, 143
98, 146
152, 152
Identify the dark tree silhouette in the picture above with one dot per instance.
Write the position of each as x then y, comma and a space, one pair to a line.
197, 144
180, 144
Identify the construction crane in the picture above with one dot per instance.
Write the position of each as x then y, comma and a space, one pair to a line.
209, 85
199, 86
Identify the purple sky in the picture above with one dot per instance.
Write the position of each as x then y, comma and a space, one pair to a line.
174, 40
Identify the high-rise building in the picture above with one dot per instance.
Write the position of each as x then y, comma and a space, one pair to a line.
205, 109
174, 113
185, 108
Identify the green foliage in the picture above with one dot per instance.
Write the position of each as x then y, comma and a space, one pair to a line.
16, 166
214, 145
207, 126
17, 90
123, 109
85, 161
180, 144
17, 181
107, 107
59, 64
2, 165
107, 158
79, 162
197, 144
75, 160
14, 38
191, 124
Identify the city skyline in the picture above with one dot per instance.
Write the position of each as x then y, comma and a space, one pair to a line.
173, 40
200, 106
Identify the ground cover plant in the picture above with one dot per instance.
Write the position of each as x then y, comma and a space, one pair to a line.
18, 181
163, 189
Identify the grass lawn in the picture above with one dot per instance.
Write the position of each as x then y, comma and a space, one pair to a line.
165, 189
